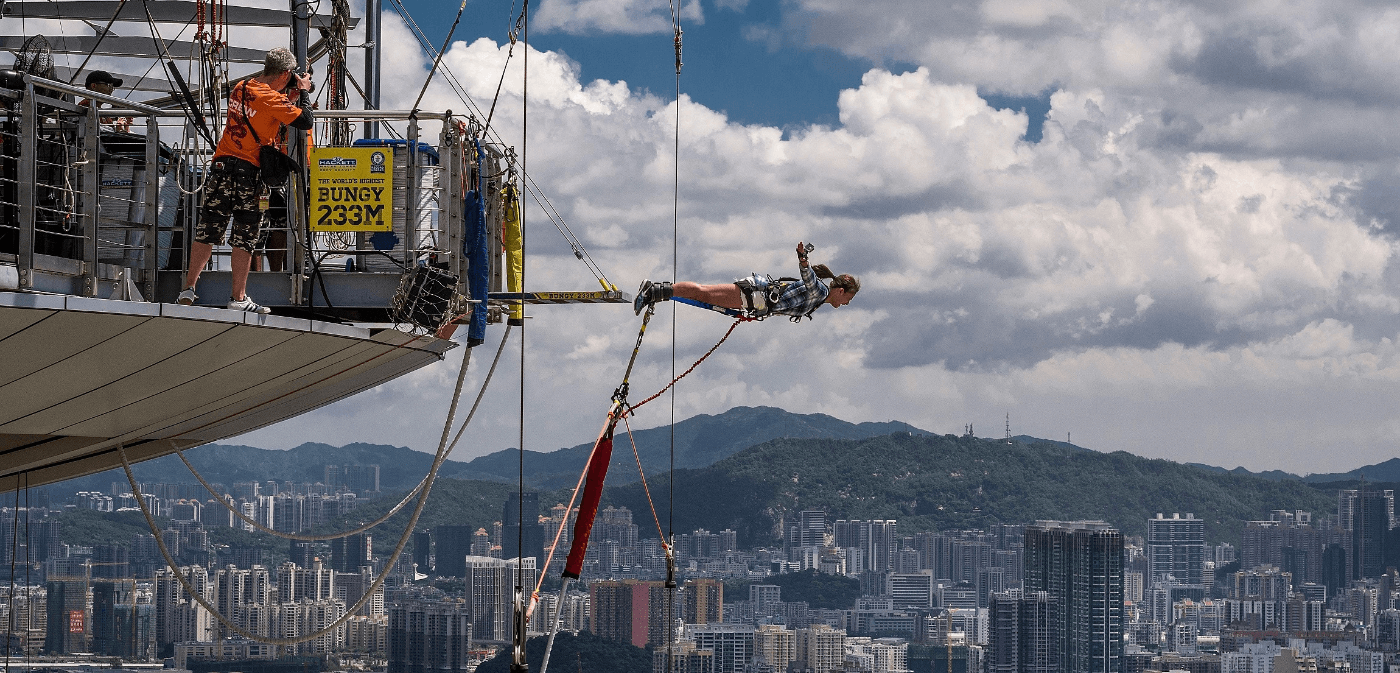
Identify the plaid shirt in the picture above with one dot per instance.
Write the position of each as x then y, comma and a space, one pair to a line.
800, 297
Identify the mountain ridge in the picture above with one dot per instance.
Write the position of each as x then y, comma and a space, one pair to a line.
700, 441
926, 482
946, 482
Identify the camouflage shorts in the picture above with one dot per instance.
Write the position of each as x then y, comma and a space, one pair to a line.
232, 190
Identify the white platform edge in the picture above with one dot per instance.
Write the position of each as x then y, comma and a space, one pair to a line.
58, 302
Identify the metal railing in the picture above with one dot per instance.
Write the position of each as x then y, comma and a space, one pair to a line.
57, 226
87, 209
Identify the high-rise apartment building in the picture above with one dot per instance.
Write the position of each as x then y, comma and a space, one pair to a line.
775, 646
490, 588
629, 611
1287, 540
702, 601
764, 597
1079, 565
1368, 516
428, 636
481, 543
821, 649
1176, 546
295, 583
877, 541
684, 657
1022, 637
733, 644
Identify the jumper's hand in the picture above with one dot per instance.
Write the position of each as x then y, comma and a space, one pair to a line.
802, 249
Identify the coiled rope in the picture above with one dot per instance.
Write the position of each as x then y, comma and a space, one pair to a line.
443, 450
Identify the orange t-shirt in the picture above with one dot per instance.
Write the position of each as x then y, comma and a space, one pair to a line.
267, 110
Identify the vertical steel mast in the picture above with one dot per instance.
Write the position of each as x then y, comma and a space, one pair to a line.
372, 9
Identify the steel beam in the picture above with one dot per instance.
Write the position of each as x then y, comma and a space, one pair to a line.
167, 11
136, 47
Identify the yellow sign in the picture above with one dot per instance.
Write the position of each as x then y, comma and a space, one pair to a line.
352, 188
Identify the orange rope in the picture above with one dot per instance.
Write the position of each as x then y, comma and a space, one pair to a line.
646, 489
632, 408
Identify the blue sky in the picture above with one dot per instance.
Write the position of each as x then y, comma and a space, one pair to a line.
779, 82
745, 61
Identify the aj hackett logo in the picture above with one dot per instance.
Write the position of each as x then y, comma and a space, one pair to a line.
338, 162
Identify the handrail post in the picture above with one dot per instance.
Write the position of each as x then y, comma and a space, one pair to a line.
92, 190
410, 206
28, 141
150, 218
299, 235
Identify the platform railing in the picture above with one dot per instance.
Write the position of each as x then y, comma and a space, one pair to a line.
87, 211
51, 200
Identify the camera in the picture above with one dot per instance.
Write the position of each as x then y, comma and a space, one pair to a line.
298, 73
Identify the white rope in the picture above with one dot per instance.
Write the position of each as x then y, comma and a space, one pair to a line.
443, 450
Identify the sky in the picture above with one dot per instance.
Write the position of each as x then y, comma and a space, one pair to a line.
1163, 227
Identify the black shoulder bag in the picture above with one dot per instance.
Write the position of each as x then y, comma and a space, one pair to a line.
273, 165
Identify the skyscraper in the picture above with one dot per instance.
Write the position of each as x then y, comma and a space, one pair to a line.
454, 544
423, 550
876, 539
1176, 546
1334, 568
702, 601
810, 530
733, 644
428, 636
629, 611
490, 588
820, 648
351, 552
516, 512
67, 616
775, 646
1367, 516
111, 604
1079, 565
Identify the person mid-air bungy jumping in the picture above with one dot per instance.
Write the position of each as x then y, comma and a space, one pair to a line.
761, 296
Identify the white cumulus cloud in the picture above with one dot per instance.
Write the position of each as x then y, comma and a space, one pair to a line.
1195, 261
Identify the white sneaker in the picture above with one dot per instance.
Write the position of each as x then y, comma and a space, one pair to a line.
248, 305
187, 297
